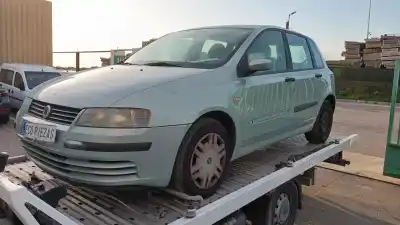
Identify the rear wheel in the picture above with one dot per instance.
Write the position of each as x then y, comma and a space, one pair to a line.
279, 208
322, 126
203, 158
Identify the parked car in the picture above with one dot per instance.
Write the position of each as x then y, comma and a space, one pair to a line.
4, 106
18, 79
179, 110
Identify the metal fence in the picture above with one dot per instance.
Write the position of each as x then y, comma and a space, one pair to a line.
105, 57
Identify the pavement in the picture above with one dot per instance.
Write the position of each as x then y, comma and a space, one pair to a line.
363, 166
342, 199
8, 140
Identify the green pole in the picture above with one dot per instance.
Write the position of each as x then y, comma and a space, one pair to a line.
392, 155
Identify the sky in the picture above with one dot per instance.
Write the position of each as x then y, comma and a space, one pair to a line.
112, 24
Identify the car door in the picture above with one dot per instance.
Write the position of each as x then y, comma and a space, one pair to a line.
265, 95
305, 103
18, 92
6, 79
321, 72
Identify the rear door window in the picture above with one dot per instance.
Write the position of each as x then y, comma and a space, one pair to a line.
19, 82
6, 76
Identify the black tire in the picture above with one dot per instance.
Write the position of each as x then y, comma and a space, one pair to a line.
4, 119
182, 177
322, 126
266, 210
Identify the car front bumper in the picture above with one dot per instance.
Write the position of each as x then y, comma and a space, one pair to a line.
106, 157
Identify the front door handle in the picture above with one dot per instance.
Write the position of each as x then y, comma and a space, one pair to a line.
318, 75
290, 79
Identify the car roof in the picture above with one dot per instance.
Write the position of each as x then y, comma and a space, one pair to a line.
240, 26
253, 27
28, 67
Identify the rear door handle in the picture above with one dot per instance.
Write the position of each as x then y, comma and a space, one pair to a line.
290, 79
318, 75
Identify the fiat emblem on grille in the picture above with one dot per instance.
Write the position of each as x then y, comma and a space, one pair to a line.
46, 111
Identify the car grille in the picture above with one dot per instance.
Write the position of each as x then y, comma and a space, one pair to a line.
78, 166
58, 114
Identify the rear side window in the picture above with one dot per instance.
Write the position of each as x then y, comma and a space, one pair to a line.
319, 61
6, 76
301, 56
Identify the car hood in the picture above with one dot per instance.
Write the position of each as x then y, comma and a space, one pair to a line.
105, 86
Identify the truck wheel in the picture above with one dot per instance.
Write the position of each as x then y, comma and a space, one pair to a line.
4, 119
203, 158
322, 126
278, 208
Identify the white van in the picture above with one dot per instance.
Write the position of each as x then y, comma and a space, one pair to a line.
18, 79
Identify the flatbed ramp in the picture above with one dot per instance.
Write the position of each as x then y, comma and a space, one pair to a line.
249, 178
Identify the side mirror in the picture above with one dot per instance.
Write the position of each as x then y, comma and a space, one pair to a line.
260, 65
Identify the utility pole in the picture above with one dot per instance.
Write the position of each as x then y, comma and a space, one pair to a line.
288, 21
369, 18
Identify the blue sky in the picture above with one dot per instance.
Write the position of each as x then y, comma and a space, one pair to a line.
106, 24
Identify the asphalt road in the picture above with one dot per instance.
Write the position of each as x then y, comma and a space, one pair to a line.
369, 121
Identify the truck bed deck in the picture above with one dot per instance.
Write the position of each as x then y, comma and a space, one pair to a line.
153, 206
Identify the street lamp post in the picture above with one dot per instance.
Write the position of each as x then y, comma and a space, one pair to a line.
288, 21
369, 18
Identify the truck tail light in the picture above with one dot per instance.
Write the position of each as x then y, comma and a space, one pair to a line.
3, 94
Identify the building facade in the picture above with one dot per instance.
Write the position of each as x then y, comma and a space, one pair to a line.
26, 34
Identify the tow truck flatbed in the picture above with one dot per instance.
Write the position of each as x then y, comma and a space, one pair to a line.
249, 178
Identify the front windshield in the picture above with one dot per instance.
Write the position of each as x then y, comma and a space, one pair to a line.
33, 79
199, 48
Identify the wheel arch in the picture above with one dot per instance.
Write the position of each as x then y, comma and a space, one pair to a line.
224, 118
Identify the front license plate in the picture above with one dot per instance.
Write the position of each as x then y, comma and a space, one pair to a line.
39, 132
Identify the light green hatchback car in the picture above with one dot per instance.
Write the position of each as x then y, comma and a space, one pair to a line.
179, 110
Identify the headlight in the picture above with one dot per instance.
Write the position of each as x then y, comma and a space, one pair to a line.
114, 118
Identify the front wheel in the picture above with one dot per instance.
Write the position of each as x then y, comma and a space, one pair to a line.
322, 126
203, 158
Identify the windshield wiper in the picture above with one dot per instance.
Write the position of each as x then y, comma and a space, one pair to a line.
162, 63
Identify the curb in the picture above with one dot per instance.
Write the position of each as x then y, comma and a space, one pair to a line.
370, 176
366, 102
